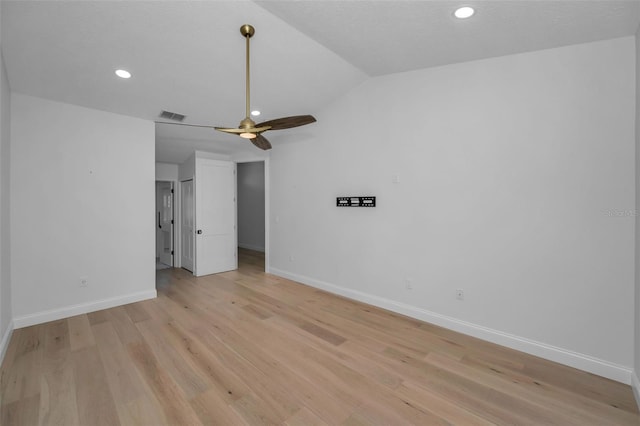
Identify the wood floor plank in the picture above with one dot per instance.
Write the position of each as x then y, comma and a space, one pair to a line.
141, 412
213, 409
356, 419
376, 414
257, 311
225, 330
23, 379
304, 417
322, 333
56, 335
500, 398
447, 410
137, 312
29, 339
254, 411
98, 316
123, 325
583, 383
322, 403
80, 334
352, 359
467, 394
173, 402
22, 412
95, 401
374, 371
580, 409
207, 361
124, 381
155, 311
347, 383
181, 369
244, 347
271, 392
58, 404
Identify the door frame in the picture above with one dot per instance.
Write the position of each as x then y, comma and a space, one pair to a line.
172, 185
177, 258
267, 203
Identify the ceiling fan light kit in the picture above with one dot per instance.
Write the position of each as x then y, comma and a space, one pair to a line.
248, 129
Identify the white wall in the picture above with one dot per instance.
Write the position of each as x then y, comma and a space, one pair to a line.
5, 223
516, 177
82, 205
251, 205
166, 172
187, 169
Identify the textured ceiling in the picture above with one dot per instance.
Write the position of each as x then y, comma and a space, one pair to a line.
188, 56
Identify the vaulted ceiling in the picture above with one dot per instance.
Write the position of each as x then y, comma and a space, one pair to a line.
188, 56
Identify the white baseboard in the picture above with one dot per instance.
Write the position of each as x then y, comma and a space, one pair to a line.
251, 247
635, 384
69, 311
560, 355
4, 343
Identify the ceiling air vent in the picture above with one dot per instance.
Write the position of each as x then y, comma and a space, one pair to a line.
172, 116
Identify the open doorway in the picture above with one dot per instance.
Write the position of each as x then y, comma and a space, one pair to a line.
164, 225
251, 190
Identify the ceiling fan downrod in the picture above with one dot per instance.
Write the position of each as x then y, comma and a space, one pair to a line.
247, 32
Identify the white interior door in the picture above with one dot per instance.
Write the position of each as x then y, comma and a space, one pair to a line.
166, 223
187, 229
216, 248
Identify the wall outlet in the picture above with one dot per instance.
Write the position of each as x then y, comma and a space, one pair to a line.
291, 258
84, 281
408, 284
460, 294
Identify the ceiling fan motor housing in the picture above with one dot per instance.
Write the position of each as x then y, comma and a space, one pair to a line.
247, 124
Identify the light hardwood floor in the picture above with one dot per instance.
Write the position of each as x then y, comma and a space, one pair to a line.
244, 347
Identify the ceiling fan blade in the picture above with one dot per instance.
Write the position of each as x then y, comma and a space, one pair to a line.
233, 130
238, 130
288, 122
185, 124
261, 142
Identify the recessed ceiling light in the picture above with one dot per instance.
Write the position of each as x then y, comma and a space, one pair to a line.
464, 12
123, 73
255, 113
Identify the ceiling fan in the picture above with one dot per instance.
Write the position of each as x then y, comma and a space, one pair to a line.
248, 129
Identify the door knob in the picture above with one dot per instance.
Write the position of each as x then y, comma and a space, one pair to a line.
199, 231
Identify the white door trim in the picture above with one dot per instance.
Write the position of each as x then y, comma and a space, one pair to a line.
193, 183
267, 209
